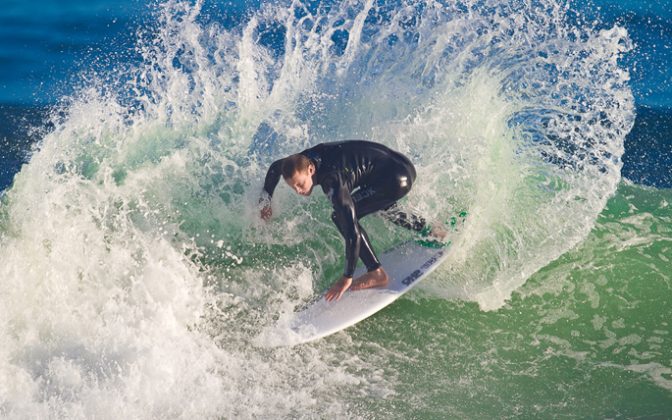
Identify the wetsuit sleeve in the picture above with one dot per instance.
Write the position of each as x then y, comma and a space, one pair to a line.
272, 179
346, 220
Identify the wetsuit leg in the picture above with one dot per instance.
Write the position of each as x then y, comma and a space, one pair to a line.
366, 253
393, 182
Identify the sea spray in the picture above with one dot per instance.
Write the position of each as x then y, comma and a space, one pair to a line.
136, 271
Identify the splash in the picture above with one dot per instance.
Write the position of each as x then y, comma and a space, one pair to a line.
135, 271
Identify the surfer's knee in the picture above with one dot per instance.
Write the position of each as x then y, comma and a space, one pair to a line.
403, 176
405, 182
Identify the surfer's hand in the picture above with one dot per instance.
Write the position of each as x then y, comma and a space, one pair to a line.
266, 212
338, 288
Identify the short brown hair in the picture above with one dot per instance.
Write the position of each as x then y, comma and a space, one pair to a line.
293, 164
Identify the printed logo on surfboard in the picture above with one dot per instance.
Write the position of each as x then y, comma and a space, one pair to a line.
420, 271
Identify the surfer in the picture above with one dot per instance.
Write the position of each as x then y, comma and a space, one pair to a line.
359, 177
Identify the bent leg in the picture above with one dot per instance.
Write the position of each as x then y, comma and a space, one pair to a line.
366, 253
393, 183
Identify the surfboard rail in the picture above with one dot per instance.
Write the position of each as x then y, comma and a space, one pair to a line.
406, 264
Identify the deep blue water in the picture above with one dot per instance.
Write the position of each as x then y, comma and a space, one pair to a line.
48, 49
648, 147
45, 45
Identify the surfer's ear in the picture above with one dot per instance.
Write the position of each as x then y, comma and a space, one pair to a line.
311, 169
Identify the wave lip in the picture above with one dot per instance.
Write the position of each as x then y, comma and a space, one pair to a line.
129, 244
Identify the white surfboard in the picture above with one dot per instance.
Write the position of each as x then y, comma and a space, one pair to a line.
406, 265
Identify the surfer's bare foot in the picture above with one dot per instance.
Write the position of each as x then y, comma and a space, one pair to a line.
438, 232
375, 278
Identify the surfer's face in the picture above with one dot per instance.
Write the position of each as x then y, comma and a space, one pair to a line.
302, 181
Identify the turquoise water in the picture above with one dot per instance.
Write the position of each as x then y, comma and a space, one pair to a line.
136, 274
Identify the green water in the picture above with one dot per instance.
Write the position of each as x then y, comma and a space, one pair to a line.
588, 336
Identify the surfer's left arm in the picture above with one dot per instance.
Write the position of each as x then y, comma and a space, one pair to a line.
271, 181
345, 218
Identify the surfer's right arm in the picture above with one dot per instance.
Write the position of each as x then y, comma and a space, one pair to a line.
271, 181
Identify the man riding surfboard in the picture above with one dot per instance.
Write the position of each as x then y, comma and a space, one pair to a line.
359, 177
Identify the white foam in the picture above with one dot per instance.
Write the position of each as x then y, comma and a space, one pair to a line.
135, 271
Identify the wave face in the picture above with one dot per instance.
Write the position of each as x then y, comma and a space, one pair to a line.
135, 269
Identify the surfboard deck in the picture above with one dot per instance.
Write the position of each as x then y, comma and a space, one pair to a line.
406, 265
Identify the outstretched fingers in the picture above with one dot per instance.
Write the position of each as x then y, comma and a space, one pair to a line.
337, 290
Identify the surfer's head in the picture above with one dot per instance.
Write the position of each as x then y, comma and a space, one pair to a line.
298, 171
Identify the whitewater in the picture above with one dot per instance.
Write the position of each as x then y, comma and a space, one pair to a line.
135, 272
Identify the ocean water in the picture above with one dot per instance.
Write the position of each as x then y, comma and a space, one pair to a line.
136, 276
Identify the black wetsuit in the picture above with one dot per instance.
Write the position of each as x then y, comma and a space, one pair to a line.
359, 177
